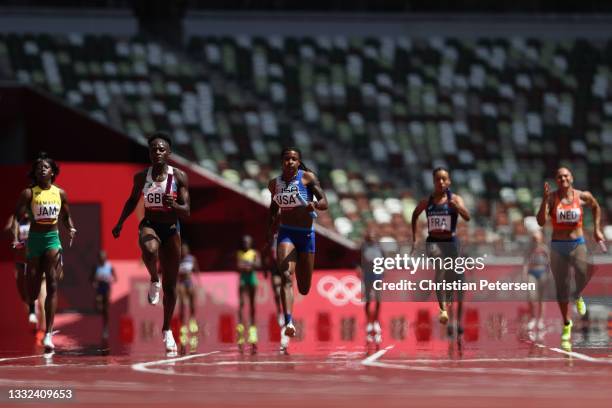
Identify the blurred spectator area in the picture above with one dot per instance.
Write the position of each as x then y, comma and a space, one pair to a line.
373, 115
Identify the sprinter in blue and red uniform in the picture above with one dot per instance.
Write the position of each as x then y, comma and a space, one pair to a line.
293, 208
443, 208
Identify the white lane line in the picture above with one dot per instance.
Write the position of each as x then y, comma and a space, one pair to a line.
577, 355
20, 358
370, 360
481, 360
580, 356
144, 367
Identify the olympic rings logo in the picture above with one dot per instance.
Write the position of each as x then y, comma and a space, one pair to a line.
340, 292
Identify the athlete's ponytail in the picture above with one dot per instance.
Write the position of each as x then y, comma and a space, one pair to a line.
302, 166
42, 156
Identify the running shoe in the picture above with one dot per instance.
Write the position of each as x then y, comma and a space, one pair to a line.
252, 339
48, 342
541, 325
32, 319
566, 335
443, 317
289, 329
284, 342
169, 341
376, 327
183, 335
580, 306
240, 333
193, 325
531, 324
378, 338
153, 296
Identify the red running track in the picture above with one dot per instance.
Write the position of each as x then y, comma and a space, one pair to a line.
492, 372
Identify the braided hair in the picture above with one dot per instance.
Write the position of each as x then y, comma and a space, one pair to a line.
43, 157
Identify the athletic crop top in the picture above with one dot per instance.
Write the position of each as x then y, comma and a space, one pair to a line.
187, 265
153, 191
441, 217
104, 272
292, 194
566, 216
46, 205
246, 259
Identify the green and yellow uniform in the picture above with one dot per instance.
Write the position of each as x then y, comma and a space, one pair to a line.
246, 260
44, 209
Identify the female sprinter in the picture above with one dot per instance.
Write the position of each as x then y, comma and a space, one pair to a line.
568, 248
45, 204
19, 231
536, 270
292, 205
247, 260
166, 198
442, 209
185, 288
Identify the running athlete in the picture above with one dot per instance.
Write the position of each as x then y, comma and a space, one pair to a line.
185, 287
371, 250
292, 206
19, 231
535, 270
247, 260
45, 203
166, 198
568, 247
102, 276
443, 209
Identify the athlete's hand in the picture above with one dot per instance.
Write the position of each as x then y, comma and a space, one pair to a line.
117, 230
72, 233
454, 202
17, 245
168, 200
598, 235
546, 191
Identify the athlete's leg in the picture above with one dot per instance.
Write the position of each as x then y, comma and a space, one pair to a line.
579, 260
149, 246
180, 294
559, 264
276, 289
286, 265
251, 292
34, 276
169, 257
303, 271
42, 298
50, 263
191, 297
241, 294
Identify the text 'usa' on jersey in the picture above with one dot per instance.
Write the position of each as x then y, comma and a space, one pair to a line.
291, 194
153, 191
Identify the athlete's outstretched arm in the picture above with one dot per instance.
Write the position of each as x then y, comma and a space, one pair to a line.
131, 202
313, 182
66, 217
22, 205
182, 204
591, 201
415, 216
457, 202
541, 217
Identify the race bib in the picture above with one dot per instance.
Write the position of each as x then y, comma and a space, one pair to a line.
288, 200
568, 215
440, 223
